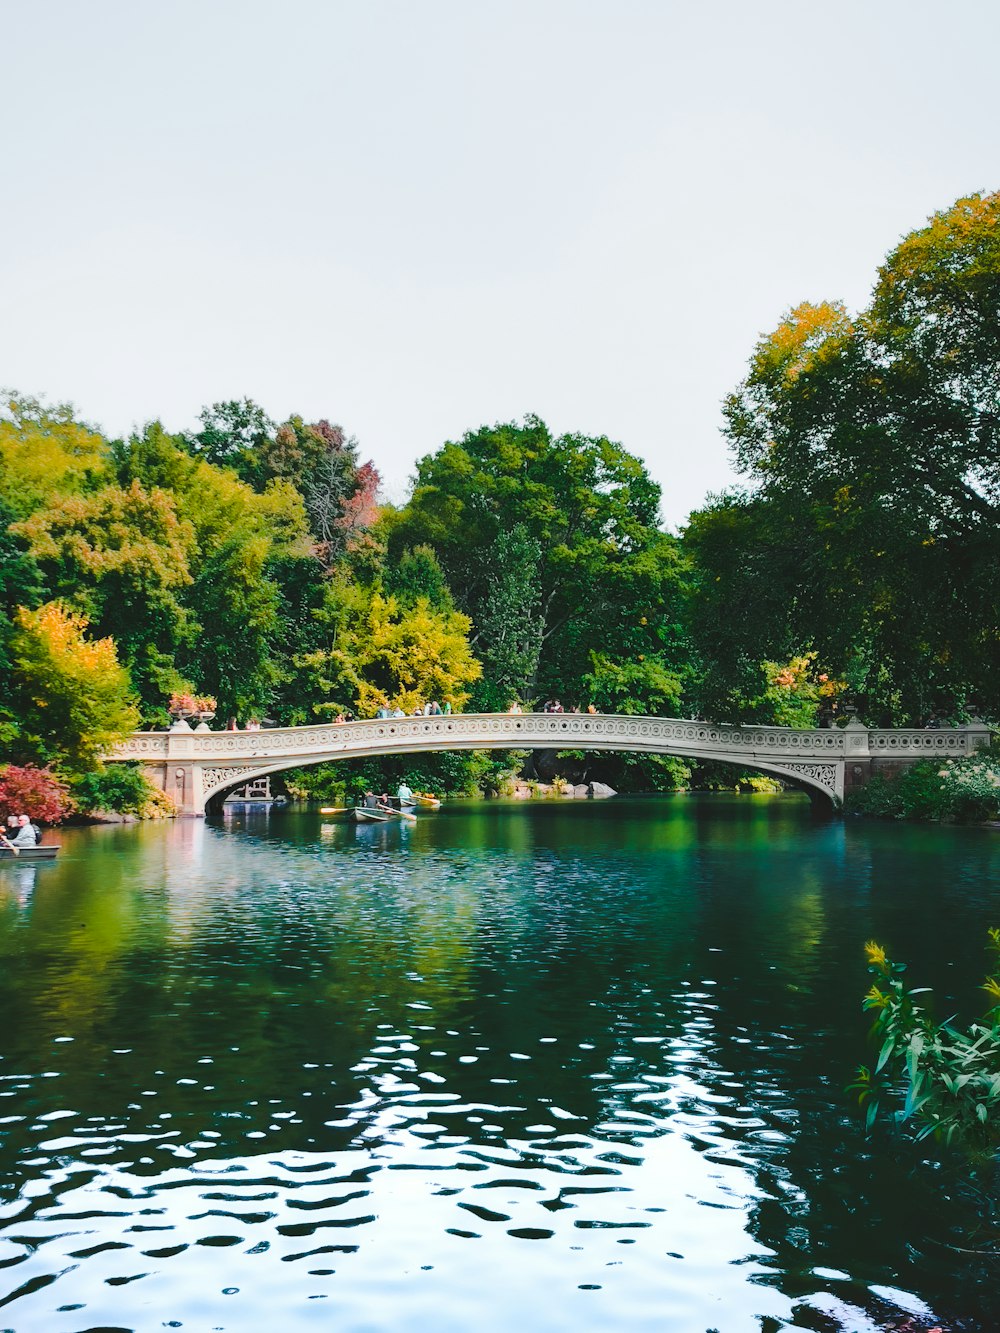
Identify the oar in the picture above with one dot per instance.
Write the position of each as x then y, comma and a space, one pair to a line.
403, 814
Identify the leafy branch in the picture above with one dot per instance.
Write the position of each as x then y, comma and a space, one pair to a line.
947, 1077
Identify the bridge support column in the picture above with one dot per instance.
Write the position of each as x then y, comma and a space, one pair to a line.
181, 780
179, 776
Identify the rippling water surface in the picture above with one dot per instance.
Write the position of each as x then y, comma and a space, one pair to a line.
550, 1067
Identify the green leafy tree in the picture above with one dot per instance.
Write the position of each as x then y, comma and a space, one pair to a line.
589, 507
508, 621
871, 531
232, 604
121, 557
234, 434
418, 574
20, 585
233, 655
642, 686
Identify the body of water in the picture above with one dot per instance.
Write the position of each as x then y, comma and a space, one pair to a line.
570, 1066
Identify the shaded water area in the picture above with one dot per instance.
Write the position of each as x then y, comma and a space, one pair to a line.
560, 1066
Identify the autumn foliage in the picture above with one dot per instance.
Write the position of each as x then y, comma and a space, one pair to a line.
33, 791
74, 701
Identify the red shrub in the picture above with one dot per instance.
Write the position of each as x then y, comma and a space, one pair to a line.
33, 791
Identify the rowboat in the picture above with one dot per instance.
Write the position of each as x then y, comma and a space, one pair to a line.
46, 853
369, 816
428, 802
336, 811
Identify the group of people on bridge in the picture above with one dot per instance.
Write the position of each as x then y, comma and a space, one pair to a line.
430, 709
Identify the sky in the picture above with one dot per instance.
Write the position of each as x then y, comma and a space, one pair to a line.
417, 217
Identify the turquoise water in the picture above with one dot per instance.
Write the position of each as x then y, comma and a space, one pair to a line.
559, 1066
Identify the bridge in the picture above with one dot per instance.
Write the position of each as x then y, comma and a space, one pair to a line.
198, 767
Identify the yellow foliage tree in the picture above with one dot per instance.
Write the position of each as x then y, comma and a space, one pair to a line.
73, 700
45, 453
386, 654
406, 657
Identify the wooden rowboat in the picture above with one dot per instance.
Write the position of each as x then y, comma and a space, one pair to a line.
47, 853
429, 802
369, 816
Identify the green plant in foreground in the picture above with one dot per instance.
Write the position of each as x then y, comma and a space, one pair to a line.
948, 1077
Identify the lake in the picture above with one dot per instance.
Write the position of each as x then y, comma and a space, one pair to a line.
566, 1065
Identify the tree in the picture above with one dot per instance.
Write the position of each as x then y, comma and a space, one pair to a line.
319, 460
508, 621
233, 434
417, 574
383, 653
72, 699
588, 505
46, 453
643, 686
872, 446
121, 557
233, 655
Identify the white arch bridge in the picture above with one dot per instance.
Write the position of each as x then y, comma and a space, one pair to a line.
193, 767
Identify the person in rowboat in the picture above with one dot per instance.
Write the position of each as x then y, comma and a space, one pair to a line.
404, 793
25, 836
26, 833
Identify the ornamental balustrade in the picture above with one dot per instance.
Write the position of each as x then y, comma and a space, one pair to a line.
195, 766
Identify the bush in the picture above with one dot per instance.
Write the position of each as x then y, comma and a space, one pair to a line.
965, 790
33, 791
973, 786
948, 1078
122, 788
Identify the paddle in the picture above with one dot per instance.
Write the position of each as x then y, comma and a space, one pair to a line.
403, 814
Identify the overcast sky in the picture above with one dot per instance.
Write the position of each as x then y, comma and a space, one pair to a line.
414, 217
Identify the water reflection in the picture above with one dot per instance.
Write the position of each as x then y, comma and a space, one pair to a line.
585, 1061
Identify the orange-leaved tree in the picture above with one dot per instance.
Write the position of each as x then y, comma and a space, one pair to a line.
72, 698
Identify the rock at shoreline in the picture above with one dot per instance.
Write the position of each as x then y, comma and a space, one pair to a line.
602, 789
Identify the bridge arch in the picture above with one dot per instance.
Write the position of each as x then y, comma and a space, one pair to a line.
817, 785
